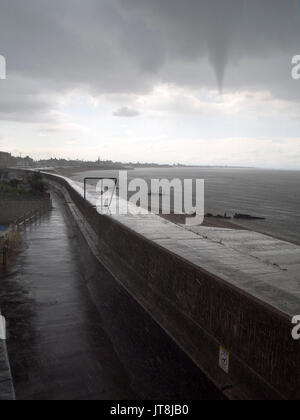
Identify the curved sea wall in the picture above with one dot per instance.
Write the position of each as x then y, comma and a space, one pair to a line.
202, 310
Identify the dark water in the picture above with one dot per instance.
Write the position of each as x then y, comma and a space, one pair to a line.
272, 194
74, 333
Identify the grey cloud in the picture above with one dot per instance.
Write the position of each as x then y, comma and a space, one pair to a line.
126, 112
128, 46
22, 99
248, 43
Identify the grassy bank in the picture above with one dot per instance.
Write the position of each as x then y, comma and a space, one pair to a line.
31, 186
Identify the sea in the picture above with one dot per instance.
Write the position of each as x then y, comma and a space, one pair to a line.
270, 194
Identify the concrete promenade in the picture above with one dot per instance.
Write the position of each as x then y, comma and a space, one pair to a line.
208, 290
249, 260
74, 333
56, 344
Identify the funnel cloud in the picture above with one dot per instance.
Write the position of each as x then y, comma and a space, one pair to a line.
152, 59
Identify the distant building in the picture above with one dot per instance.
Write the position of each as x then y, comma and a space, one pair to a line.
6, 159
25, 162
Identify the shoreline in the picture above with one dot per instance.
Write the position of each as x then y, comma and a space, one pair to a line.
213, 222
69, 172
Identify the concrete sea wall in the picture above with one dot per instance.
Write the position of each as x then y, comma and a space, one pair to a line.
199, 310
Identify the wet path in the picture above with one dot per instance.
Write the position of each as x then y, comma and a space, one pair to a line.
56, 345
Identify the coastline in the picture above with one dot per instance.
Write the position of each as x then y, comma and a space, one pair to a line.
213, 222
155, 260
69, 172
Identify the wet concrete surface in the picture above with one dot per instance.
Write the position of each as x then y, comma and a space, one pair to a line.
56, 345
263, 266
75, 333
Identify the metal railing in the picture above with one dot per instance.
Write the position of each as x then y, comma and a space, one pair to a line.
17, 224
30, 216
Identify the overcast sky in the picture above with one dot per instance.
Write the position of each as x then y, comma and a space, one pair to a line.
194, 81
